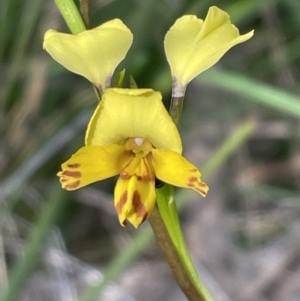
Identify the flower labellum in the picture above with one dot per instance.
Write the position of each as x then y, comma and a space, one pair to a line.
94, 54
193, 45
131, 134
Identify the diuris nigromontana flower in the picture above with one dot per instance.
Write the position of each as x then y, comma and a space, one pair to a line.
131, 134
193, 45
94, 53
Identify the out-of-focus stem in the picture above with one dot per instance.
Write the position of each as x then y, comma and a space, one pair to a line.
171, 255
85, 11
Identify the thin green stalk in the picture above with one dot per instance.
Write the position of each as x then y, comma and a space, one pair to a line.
176, 108
169, 215
173, 256
71, 15
34, 246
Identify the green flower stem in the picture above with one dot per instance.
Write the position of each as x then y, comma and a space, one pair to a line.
169, 214
71, 15
176, 108
172, 256
84, 9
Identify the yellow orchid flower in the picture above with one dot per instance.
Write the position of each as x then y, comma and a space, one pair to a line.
193, 45
136, 138
94, 53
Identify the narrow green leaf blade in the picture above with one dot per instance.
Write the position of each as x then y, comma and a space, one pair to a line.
257, 91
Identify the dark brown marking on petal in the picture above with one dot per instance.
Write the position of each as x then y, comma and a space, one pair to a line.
147, 178
72, 186
73, 174
138, 207
121, 203
192, 180
197, 185
144, 218
124, 175
74, 165
194, 170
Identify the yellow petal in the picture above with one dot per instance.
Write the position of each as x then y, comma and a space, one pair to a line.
93, 53
192, 46
91, 164
174, 169
131, 113
135, 193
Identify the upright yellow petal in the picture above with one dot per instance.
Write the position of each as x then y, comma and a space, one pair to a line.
94, 53
174, 169
133, 113
192, 46
93, 163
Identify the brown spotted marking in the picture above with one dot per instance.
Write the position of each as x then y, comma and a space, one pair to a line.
192, 180
122, 202
196, 184
73, 174
124, 175
72, 186
74, 165
138, 207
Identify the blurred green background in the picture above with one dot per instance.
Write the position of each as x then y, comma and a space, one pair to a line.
240, 125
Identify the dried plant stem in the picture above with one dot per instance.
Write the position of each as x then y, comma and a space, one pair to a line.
171, 255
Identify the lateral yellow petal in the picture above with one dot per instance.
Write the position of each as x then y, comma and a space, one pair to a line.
93, 53
174, 169
192, 46
93, 163
130, 113
134, 200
